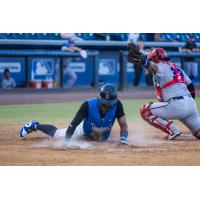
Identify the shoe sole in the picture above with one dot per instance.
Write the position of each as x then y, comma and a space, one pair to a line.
175, 136
20, 132
21, 129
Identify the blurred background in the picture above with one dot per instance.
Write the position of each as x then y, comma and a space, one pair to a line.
74, 60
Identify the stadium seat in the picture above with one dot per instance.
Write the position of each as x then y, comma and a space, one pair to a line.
180, 37
163, 36
3, 36
184, 37
87, 36
124, 36
115, 36
143, 36
176, 36
197, 37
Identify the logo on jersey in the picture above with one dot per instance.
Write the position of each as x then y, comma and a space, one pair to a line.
179, 74
107, 96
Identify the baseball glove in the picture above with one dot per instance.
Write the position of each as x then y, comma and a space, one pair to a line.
134, 54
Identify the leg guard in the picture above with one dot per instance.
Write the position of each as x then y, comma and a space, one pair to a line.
155, 121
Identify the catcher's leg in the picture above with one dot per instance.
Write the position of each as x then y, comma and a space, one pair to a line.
165, 125
193, 123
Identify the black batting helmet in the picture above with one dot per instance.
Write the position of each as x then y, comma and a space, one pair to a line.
108, 94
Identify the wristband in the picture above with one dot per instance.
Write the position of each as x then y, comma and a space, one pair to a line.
123, 137
146, 63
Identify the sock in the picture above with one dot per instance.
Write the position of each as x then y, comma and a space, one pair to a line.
46, 128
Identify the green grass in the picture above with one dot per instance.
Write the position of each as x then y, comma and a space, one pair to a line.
58, 112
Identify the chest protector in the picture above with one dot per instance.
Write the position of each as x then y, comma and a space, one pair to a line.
94, 118
177, 78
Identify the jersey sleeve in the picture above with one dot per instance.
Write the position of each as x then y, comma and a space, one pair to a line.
161, 70
80, 115
120, 110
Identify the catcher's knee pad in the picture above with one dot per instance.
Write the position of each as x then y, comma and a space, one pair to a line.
145, 111
153, 120
197, 134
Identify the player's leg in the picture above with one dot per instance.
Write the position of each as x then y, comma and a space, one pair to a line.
34, 126
192, 121
194, 69
187, 68
158, 115
71, 77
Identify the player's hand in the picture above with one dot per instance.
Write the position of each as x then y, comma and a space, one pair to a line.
83, 54
123, 138
189, 51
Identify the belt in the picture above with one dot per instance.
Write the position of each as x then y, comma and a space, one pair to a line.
180, 97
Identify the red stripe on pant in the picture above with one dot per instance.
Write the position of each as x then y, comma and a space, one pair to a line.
146, 113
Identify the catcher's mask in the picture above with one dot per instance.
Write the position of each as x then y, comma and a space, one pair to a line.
108, 95
158, 54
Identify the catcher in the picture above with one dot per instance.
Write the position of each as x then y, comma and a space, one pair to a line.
98, 116
175, 91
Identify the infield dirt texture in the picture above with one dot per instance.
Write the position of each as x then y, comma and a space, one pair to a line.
59, 106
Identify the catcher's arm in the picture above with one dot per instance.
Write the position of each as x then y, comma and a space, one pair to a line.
136, 57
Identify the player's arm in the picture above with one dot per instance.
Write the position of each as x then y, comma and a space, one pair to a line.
77, 49
67, 49
121, 118
80, 115
186, 48
151, 67
188, 82
195, 49
191, 89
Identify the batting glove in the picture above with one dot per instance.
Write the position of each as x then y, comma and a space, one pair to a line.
123, 137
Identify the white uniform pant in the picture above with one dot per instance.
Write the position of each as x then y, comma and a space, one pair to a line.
67, 71
60, 133
184, 110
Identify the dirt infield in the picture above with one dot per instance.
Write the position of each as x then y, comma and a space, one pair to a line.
146, 144
146, 148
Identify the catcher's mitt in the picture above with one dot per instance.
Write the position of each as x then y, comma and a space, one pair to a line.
134, 54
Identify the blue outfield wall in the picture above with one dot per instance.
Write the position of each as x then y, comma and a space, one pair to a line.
45, 68
17, 67
109, 69
84, 70
42, 68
